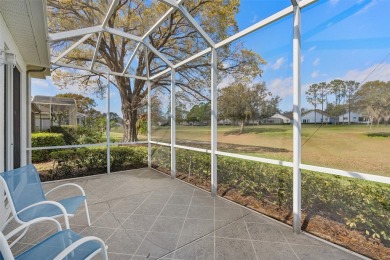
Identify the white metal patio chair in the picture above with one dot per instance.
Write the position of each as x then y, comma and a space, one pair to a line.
27, 201
63, 244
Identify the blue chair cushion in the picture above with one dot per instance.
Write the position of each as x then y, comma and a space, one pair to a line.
24, 186
55, 244
47, 210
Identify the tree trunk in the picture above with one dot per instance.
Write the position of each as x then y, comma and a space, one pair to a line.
129, 110
129, 123
349, 111
242, 127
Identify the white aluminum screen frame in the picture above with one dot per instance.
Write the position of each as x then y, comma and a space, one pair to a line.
295, 10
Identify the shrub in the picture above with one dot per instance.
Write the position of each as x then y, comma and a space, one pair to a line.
359, 204
88, 161
44, 139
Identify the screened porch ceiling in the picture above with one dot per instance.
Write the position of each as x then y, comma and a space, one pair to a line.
79, 37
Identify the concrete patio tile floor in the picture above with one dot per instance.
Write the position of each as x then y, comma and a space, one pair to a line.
144, 214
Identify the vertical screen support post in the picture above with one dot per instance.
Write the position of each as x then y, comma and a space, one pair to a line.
297, 119
214, 116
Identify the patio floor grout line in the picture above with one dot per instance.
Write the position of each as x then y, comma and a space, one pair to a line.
105, 212
288, 242
172, 233
120, 225
250, 237
275, 221
107, 200
182, 227
119, 198
147, 233
205, 235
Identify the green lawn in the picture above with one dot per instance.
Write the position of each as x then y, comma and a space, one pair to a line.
343, 147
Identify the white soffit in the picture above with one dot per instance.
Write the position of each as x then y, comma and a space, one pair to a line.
27, 22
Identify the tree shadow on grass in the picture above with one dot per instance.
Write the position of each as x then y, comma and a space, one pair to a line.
233, 148
258, 130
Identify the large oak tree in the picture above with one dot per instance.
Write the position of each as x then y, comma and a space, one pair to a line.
175, 38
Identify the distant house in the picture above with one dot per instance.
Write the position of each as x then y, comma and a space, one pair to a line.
53, 111
315, 116
278, 119
356, 118
225, 122
81, 118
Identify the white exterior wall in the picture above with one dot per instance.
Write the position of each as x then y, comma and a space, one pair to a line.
354, 117
286, 120
310, 117
7, 42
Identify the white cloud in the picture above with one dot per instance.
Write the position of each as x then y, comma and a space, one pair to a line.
375, 72
40, 83
302, 58
316, 62
312, 48
278, 63
282, 87
315, 74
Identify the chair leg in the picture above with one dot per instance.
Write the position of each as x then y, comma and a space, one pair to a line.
104, 252
66, 218
87, 212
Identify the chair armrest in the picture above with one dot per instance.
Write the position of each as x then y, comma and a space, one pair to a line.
78, 243
31, 222
65, 185
55, 203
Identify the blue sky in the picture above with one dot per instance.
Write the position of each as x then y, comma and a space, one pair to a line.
344, 39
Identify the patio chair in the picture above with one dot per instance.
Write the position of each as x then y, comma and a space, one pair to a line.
27, 201
63, 244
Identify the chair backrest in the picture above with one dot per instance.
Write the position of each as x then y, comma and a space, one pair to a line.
5, 250
5, 210
24, 186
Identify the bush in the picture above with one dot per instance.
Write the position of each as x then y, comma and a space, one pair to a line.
358, 204
88, 161
44, 139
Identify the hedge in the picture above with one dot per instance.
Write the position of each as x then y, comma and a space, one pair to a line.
361, 205
42, 140
88, 161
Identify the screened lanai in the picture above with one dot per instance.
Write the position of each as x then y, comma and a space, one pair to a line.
53, 111
154, 66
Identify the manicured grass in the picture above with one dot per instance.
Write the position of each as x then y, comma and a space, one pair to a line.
335, 146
